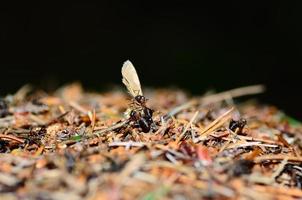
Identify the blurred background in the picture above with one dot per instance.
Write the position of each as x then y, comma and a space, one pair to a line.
210, 45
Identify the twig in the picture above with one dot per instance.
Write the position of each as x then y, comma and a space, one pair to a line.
180, 108
217, 122
10, 137
36, 119
214, 98
78, 107
276, 191
247, 144
171, 158
21, 93
187, 126
111, 128
181, 168
127, 144
279, 169
92, 117
259, 140
234, 93
176, 153
145, 177
277, 157
6, 121
132, 166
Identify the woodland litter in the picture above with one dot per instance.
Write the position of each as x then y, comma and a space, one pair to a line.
163, 144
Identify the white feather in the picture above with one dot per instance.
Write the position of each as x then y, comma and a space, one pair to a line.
130, 79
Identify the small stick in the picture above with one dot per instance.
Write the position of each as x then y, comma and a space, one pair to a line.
132, 166
111, 128
92, 118
276, 191
78, 107
171, 158
259, 139
214, 98
10, 137
180, 108
187, 126
179, 167
36, 119
127, 144
246, 144
145, 177
279, 169
217, 122
277, 157
271, 179
174, 152
230, 94
21, 93
263, 141
6, 121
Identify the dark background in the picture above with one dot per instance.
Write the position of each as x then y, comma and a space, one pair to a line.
215, 44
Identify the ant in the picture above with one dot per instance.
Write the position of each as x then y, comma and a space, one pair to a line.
240, 124
143, 118
139, 114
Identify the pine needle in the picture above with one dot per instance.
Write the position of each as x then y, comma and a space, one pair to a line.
217, 122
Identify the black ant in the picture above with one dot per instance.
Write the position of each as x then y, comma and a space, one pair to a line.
142, 115
240, 124
139, 114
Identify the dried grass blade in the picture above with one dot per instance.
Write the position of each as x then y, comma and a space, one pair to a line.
187, 126
217, 122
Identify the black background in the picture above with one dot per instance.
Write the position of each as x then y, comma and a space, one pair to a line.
212, 44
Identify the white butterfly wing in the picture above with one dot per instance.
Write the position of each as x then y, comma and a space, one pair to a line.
130, 79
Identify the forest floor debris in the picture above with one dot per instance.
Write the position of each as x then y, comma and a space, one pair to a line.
77, 145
